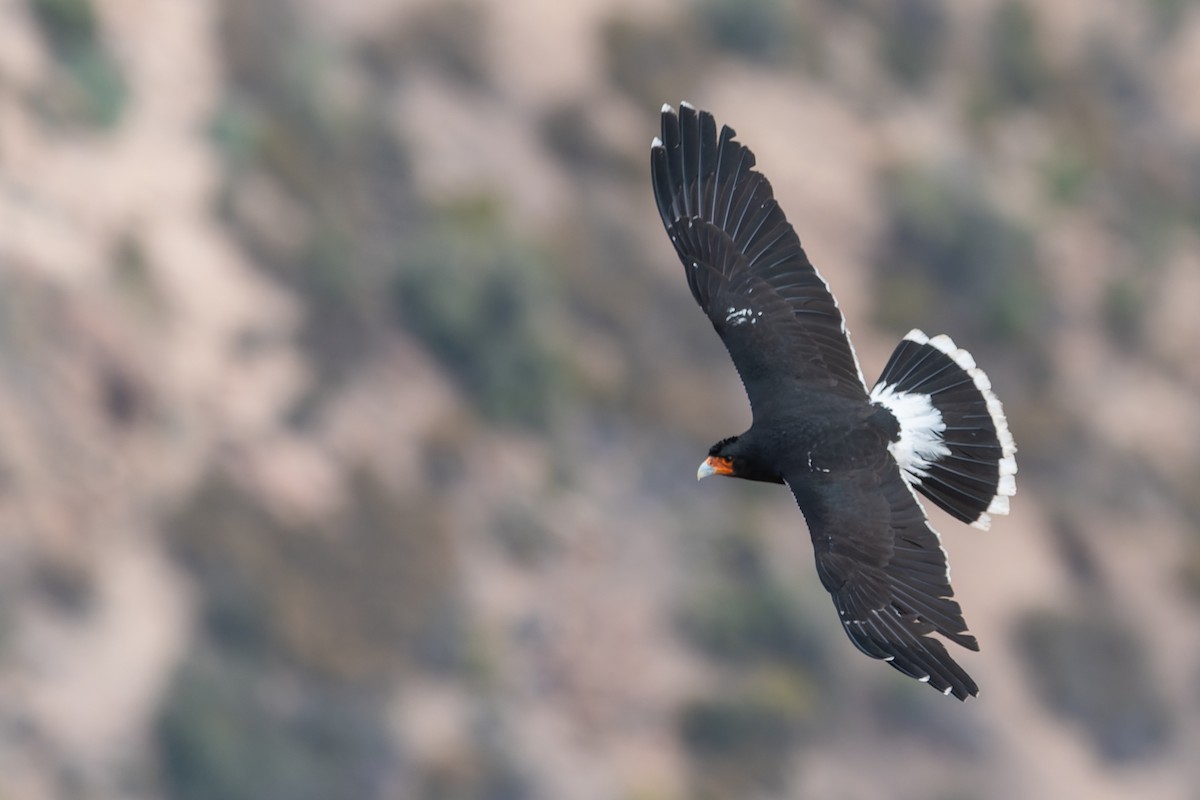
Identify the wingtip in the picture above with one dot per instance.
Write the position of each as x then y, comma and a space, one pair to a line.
666, 108
687, 105
656, 143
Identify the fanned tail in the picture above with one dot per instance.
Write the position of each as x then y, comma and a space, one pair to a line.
954, 445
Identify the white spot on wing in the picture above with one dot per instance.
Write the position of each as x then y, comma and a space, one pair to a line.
739, 316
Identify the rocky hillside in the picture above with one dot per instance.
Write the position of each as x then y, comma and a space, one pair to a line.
350, 398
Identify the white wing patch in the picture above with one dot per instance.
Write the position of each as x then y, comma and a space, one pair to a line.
740, 316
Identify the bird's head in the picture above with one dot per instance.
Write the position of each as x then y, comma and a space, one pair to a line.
734, 457
723, 459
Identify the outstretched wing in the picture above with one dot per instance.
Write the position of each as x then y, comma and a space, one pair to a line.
886, 570
745, 265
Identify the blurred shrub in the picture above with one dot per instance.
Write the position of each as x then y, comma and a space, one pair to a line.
134, 278
1168, 17
66, 23
912, 40
356, 598
1014, 72
743, 615
480, 302
522, 535
757, 30
231, 730
67, 581
569, 132
1109, 73
1123, 311
651, 64
1190, 569
766, 713
474, 776
740, 739
1146, 165
950, 260
332, 157
484, 769
87, 87
774, 660
744, 623
450, 36
1016, 62
903, 708
1092, 670
1187, 496
1068, 174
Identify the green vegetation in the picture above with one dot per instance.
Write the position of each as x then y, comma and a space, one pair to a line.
522, 535
751, 621
568, 129
335, 169
649, 63
765, 713
913, 36
1015, 73
1068, 175
757, 30
1124, 310
87, 88
951, 260
1093, 671
743, 615
449, 36
307, 625
372, 256
740, 738
357, 598
484, 769
229, 729
68, 24
480, 302
745, 620
67, 583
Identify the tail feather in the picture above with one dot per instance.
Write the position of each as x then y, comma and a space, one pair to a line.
954, 444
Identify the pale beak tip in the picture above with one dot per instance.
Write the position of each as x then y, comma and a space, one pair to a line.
705, 470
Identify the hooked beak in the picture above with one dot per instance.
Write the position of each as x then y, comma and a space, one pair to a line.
714, 465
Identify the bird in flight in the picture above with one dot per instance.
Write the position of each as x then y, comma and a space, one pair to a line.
853, 457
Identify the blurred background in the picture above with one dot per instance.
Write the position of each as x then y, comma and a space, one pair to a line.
351, 398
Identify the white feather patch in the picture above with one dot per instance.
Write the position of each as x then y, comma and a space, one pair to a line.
921, 427
1007, 485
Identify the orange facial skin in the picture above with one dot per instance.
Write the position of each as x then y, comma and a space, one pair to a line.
715, 465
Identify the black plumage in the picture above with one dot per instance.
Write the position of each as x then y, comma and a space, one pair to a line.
851, 458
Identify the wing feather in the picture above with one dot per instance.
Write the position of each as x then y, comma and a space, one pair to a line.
741, 255
886, 571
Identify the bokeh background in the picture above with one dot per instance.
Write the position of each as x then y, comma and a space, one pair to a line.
351, 398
